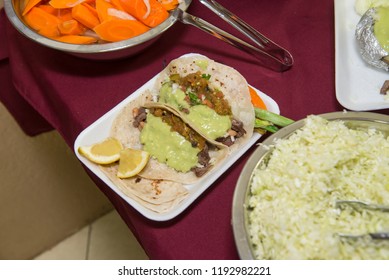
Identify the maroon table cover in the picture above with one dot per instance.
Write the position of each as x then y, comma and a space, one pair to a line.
45, 89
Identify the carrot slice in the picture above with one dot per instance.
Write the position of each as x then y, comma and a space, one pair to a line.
63, 4
158, 14
151, 15
91, 9
169, 4
85, 16
114, 30
117, 4
43, 22
71, 27
76, 39
64, 14
30, 4
256, 100
48, 9
102, 8
136, 8
119, 14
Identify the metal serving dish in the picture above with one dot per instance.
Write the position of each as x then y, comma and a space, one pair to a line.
354, 120
107, 51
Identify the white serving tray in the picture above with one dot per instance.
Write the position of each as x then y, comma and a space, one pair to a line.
100, 129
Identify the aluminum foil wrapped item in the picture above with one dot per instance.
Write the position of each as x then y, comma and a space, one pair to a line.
369, 47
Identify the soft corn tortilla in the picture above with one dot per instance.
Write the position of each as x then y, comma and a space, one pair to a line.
123, 130
233, 85
157, 195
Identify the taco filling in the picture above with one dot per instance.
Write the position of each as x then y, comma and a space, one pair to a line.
204, 106
171, 141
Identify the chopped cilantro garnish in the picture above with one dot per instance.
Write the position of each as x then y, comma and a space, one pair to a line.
194, 100
206, 76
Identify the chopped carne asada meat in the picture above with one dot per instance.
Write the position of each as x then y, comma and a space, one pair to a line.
238, 127
200, 171
185, 110
203, 156
204, 159
140, 116
227, 140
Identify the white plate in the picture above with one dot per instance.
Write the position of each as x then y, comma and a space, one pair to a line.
357, 83
100, 129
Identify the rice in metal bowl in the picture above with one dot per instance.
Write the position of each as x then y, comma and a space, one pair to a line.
292, 213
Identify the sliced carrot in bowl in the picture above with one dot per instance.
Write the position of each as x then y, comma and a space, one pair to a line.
71, 27
76, 39
30, 4
43, 22
169, 4
63, 4
114, 30
151, 14
48, 9
102, 8
83, 14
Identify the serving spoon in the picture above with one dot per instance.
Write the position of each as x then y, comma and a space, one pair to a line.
373, 235
269, 54
361, 204
369, 206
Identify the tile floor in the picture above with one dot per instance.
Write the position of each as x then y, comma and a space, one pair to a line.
108, 238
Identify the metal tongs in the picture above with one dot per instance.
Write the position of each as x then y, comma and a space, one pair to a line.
269, 54
369, 206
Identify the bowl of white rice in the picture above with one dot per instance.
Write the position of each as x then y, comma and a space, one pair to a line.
284, 205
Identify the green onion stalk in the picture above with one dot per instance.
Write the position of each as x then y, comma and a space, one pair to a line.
270, 121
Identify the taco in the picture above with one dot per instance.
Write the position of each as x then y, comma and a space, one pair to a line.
178, 153
211, 97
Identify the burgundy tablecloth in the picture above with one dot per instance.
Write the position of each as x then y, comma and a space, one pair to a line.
46, 89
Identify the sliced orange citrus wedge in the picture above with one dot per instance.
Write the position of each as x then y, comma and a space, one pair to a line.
105, 152
132, 162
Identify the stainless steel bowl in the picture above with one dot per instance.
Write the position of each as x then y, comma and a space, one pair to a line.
354, 120
107, 51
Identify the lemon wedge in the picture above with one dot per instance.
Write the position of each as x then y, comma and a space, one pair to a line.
105, 152
132, 162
